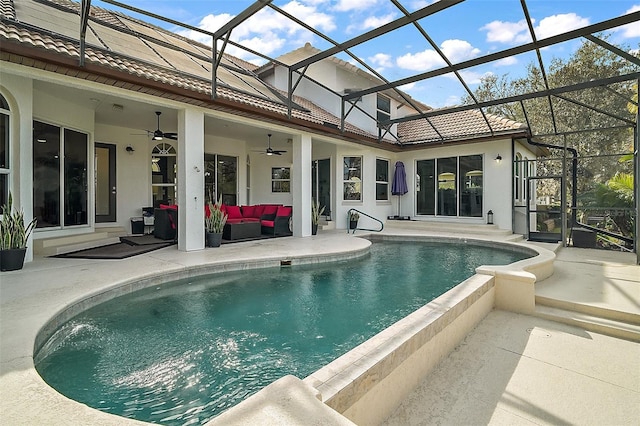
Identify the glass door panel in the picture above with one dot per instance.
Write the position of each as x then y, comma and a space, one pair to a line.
105, 172
447, 189
75, 178
46, 174
425, 184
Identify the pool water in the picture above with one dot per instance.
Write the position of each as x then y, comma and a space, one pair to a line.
183, 352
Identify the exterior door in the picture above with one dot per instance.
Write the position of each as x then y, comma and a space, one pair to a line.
105, 182
544, 204
321, 184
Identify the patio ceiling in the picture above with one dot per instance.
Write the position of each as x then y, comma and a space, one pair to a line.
416, 19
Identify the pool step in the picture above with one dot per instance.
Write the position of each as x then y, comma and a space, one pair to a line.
599, 320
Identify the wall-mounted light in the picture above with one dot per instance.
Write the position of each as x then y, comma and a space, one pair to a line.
129, 149
490, 217
498, 158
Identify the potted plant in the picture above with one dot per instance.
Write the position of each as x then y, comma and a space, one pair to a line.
316, 211
214, 222
353, 219
15, 234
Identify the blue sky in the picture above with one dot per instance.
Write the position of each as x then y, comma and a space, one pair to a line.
471, 29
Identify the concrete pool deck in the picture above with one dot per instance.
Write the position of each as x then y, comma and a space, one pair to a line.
587, 371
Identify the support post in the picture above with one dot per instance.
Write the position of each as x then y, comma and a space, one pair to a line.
190, 180
301, 185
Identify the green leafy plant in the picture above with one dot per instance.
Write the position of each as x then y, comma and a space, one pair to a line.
216, 218
316, 211
14, 233
353, 216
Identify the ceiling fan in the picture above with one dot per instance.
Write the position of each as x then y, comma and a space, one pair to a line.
158, 134
271, 151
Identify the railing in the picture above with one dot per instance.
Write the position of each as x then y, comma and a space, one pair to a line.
363, 214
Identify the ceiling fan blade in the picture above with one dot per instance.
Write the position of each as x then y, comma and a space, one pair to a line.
278, 151
173, 136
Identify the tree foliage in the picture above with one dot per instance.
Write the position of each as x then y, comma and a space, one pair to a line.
611, 136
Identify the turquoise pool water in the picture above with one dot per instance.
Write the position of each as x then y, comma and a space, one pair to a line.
183, 352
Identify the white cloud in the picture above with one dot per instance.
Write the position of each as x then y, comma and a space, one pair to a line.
472, 77
268, 31
377, 21
455, 50
557, 24
452, 100
407, 87
381, 60
518, 32
505, 62
349, 5
505, 32
631, 30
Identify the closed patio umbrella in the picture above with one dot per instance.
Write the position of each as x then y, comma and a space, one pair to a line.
399, 184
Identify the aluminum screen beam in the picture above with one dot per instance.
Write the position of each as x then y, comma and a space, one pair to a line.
560, 38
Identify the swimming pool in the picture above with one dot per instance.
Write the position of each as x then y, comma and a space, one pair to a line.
183, 352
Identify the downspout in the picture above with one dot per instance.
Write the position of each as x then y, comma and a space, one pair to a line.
574, 177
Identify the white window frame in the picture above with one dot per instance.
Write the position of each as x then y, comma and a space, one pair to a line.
383, 182
351, 179
280, 181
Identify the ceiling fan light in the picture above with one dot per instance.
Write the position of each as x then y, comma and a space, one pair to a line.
157, 135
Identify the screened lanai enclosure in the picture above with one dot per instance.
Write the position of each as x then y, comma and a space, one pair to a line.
579, 114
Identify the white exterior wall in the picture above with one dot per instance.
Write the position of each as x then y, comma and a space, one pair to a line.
18, 91
133, 171
496, 179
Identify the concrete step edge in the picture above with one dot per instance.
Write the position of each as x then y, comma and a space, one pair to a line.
626, 317
68, 248
592, 323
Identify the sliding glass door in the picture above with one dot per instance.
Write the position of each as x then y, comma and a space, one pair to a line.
60, 191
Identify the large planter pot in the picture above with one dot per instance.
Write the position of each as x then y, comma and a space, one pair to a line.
353, 224
314, 228
212, 239
12, 259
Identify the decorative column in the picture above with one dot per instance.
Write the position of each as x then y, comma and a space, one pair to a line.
301, 185
190, 180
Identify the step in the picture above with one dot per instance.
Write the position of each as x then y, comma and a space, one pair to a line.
606, 326
68, 243
627, 317
450, 227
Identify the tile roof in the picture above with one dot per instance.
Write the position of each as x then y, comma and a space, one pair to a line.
176, 62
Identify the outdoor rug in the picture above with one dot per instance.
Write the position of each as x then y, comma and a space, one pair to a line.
129, 246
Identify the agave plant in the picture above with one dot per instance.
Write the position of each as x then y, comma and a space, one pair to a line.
316, 212
216, 219
13, 231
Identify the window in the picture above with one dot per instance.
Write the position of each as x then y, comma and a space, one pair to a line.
60, 159
352, 179
221, 178
382, 179
450, 186
5, 117
383, 108
164, 174
517, 184
280, 179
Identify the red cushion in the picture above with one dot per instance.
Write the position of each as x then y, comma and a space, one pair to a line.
207, 210
248, 211
235, 220
258, 211
234, 212
223, 208
267, 223
270, 209
169, 207
250, 219
283, 211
